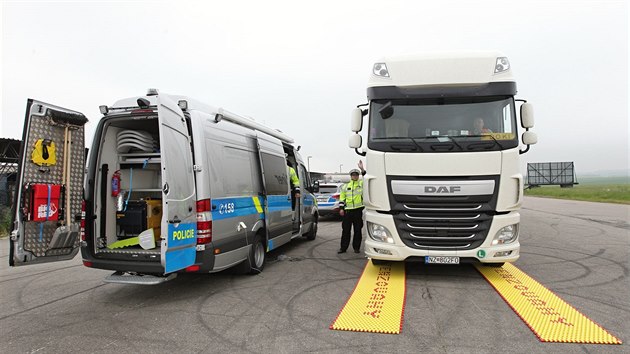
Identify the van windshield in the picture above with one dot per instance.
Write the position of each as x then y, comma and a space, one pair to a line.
443, 124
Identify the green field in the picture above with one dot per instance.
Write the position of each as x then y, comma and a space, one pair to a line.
592, 189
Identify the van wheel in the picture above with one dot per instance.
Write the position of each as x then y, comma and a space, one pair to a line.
313, 232
255, 261
494, 265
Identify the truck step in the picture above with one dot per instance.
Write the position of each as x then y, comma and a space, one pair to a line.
140, 279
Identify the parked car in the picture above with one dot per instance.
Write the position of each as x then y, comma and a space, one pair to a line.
328, 198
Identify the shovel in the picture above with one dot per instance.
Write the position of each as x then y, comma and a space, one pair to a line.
65, 235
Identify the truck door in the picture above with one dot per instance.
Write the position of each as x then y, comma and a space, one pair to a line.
49, 189
178, 246
275, 187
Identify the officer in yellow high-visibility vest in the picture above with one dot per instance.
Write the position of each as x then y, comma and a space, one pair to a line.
351, 209
294, 182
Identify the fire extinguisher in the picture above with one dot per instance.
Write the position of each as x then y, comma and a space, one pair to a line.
116, 183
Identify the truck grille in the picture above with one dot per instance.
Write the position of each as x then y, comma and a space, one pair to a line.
443, 222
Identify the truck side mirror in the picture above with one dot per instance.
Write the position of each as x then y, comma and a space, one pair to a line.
356, 120
355, 141
529, 138
527, 115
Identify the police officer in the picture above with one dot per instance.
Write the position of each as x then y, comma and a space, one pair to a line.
294, 181
351, 209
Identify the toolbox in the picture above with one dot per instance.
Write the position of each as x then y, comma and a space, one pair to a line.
139, 215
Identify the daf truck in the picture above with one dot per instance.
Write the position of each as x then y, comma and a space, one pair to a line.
442, 155
170, 185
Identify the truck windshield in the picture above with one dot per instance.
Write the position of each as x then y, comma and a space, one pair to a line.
443, 124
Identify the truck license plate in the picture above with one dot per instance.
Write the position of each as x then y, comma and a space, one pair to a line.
441, 260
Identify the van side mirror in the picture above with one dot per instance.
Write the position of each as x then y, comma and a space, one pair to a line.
356, 120
355, 141
315, 187
527, 115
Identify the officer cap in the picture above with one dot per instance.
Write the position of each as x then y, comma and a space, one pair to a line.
353, 171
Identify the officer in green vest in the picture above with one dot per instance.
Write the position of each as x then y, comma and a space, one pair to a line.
351, 209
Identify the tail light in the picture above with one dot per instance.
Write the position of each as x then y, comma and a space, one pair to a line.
83, 220
335, 196
204, 221
192, 268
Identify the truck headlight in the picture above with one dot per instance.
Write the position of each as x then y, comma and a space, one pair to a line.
506, 235
379, 233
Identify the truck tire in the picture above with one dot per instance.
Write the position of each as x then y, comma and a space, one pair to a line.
255, 261
312, 233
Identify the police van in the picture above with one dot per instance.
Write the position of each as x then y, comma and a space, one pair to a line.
171, 185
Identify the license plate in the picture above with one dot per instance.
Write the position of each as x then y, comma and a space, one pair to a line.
322, 199
441, 260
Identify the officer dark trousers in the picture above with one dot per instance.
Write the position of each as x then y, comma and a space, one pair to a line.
352, 218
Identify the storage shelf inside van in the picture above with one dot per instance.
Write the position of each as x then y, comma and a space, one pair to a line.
140, 158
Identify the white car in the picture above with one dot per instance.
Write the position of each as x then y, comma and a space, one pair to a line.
328, 198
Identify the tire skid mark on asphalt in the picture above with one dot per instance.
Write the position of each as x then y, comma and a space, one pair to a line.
49, 302
623, 307
221, 335
22, 276
324, 338
626, 271
617, 224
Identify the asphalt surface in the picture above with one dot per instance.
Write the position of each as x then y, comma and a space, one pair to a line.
578, 250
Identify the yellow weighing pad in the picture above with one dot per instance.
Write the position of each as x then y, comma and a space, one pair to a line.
551, 319
377, 302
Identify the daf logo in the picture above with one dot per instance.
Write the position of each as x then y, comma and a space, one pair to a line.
442, 189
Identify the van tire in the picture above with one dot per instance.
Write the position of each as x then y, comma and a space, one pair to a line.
312, 233
256, 257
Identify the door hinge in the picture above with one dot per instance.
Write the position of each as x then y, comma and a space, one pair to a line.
197, 168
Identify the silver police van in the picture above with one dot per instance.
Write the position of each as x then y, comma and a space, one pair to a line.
171, 185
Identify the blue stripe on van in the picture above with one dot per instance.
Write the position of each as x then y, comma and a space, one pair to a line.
225, 208
278, 203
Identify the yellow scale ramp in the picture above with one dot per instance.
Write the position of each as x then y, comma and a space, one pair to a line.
548, 316
377, 302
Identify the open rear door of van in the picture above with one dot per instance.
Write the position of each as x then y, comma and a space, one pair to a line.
178, 189
49, 188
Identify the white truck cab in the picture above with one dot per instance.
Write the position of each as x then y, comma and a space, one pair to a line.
442, 155
171, 185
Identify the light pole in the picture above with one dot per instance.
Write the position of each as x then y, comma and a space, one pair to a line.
308, 164
340, 168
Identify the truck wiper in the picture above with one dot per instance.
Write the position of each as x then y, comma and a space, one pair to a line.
484, 135
447, 137
397, 146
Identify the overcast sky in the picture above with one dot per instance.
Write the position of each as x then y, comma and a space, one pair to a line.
302, 67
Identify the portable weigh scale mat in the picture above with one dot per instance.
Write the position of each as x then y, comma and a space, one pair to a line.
378, 300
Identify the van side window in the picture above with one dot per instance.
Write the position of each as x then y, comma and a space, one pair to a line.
304, 177
240, 171
276, 177
179, 160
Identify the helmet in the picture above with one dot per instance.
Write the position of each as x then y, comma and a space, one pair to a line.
354, 170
